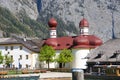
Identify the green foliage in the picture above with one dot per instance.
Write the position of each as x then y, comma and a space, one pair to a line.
20, 25
1, 58
47, 54
65, 56
39, 29
8, 60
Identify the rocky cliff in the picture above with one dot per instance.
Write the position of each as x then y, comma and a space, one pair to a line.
21, 6
103, 15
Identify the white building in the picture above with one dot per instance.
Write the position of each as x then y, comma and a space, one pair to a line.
80, 45
24, 52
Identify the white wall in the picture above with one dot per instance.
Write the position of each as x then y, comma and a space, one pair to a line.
80, 58
16, 52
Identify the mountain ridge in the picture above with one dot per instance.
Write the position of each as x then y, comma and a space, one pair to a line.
101, 15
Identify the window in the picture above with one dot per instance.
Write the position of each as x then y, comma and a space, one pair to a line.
21, 47
67, 44
27, 56
11, 57
98, 56
20, 66
8, 53
20, 57
11, 47
58, 44
6, 48
114, 55
27, 66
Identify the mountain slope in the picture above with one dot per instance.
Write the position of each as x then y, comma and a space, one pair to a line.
97, 12
24, 26
103, 16
24, 6
23, 20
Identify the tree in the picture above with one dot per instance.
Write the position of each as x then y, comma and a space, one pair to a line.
8, 60
47, 54
1, 58
64, 57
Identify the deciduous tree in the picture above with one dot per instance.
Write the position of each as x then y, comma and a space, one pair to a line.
65, 57
47, 54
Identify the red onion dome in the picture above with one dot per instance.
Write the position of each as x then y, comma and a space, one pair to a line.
51, 42
52, 23
83, 23
95, 41
98, 42
81, 40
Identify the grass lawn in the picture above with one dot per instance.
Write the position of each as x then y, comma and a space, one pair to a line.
11, 72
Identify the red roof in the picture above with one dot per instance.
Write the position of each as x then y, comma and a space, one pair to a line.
60, 43
83, 23
87, 41
51, 42
82, 41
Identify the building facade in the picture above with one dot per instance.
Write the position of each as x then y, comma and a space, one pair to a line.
24, 52
80, 45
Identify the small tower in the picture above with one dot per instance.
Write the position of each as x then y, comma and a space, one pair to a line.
83, 44
52, 24
84, 25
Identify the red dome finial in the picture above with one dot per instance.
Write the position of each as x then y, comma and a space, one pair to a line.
83, 23
52, 23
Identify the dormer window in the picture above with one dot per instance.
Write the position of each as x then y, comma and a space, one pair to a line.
98, 56
114, 55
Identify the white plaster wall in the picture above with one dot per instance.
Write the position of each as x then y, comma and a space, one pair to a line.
34, 62
16, 52
79, 60
53, 34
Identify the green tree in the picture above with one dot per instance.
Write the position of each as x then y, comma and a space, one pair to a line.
8, 60
47, 54
1, 58
64, 57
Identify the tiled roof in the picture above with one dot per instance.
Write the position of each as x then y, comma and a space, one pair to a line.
32, 44
74, 42
107, 50
60, 42
87, 41
8, 41
64, 42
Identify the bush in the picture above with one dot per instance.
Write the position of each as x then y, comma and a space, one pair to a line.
25, 72
3, 72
